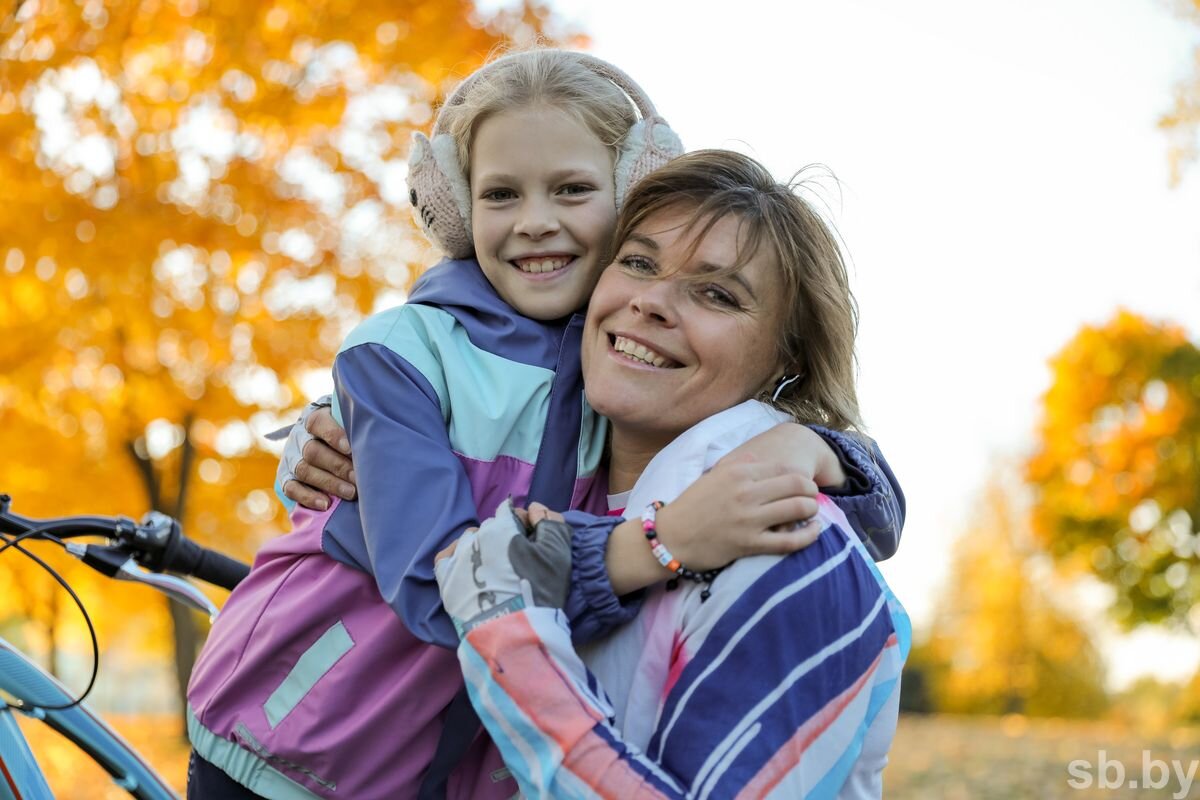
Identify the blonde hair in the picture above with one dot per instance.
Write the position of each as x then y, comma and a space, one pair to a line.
551, 78
816, 341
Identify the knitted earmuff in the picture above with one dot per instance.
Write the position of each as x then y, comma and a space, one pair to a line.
437, 183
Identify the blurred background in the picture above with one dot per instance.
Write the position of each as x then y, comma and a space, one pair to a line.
201, 197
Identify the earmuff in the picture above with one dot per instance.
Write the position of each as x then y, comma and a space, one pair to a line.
437, 183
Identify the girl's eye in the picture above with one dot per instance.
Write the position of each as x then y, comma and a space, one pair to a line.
575, 189
638, 264
498, 195
720, 296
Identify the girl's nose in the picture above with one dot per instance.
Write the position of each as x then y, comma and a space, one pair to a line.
537, 220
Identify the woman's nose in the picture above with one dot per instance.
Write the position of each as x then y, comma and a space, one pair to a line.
537, 220
656, 301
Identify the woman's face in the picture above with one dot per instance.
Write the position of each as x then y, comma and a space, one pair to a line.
667, 342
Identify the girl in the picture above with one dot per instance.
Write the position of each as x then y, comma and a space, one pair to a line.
318, 678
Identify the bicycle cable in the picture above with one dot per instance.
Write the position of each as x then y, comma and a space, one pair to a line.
42, 532
15, 542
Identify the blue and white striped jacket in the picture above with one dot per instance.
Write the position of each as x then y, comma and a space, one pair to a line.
785, 683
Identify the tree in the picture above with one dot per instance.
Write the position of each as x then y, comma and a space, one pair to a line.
1182, 122
1116, 472
1185, 702
200, 198
999, 640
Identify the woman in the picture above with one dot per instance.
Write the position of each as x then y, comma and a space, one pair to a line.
778, 675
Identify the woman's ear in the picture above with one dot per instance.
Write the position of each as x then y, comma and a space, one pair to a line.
780, 384
768, 387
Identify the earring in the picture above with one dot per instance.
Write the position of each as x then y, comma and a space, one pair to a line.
782, 383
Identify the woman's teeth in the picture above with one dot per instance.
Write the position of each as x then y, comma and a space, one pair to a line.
641, 353
538, 265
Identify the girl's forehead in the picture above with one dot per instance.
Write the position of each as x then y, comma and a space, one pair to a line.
536, 139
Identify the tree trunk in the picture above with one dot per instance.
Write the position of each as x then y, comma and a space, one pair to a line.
52, 612
184, 636
183, 622
184, 633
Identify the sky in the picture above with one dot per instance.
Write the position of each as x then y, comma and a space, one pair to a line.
1001, 182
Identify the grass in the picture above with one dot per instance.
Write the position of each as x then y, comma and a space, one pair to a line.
990, 758
935, 757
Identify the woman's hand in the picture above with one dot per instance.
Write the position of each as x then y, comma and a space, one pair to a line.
535, 514
505, 565
798, 448
317, 458
529, 518
741, 507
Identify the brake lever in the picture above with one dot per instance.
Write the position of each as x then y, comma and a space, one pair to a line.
115, 562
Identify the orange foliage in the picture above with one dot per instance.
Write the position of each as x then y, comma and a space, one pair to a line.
73, 776
1117, 469
201, 197
1182, 122
1000, 641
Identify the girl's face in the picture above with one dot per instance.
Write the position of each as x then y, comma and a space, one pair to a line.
667, 343
542, 209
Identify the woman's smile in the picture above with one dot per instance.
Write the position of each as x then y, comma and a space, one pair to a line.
638, 353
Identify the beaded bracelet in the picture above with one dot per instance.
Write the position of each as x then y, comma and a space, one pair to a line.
669, 561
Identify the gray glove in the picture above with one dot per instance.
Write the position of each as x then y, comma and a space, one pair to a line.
502, 568
297, 437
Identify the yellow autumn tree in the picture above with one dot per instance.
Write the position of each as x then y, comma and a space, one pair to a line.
1000, 640
1116, 471
200, 198
1182, 122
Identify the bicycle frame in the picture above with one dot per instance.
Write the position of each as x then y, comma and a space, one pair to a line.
21, 777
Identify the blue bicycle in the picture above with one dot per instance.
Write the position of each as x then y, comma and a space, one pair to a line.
137, 552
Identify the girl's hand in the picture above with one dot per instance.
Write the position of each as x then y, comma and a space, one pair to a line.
741, 507
316, 461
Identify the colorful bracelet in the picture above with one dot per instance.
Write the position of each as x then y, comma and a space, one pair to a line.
669, 561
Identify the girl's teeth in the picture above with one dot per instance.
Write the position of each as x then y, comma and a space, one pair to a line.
542, 265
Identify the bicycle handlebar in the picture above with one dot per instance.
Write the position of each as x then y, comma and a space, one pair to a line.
189, 558
156, 543
134, 549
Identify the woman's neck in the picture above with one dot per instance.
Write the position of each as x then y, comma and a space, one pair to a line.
629, 453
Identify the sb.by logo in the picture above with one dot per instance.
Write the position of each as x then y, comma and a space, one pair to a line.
1110, 774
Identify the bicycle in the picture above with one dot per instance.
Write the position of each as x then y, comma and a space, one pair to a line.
139, 552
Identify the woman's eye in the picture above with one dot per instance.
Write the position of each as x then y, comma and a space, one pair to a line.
720, 296
638, 264
498, 195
